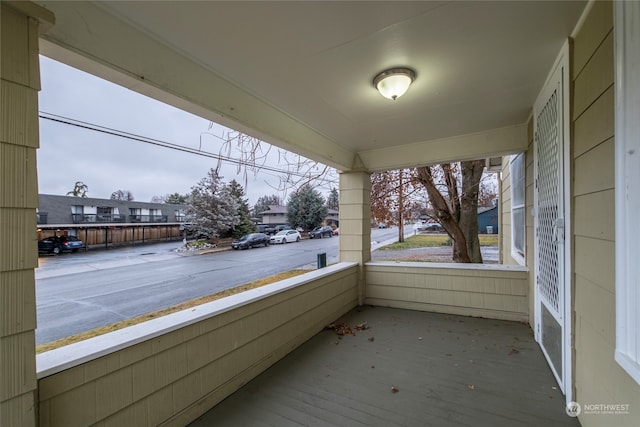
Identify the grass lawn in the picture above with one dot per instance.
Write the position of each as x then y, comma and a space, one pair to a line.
431, 240
183, 306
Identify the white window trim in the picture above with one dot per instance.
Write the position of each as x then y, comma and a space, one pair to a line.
627, 174
520, 258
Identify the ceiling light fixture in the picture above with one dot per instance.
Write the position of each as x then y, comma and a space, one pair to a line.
393, 83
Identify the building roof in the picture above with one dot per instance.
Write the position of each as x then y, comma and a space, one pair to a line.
58, 208
483, 210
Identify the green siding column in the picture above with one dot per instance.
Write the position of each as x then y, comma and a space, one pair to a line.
19, 86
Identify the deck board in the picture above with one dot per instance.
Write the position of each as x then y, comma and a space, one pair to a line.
449, 371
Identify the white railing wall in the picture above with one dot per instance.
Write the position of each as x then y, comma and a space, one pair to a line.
170, 370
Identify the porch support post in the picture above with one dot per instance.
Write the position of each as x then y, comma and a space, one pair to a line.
355, 221
19, 139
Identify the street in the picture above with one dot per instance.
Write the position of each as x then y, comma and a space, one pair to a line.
82, 291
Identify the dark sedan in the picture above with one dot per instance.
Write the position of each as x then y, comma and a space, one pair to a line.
321, 232
59, 244
252, 240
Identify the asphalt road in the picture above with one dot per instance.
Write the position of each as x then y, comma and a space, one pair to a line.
81, 291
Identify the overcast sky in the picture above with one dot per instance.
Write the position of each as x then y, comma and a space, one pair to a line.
106, 163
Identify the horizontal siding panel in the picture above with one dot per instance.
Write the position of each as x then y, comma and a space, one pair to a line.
17, 302
600, 379
20, 410
73, 409
18, 176
455, 310
501, 294
596, 27
352, 227
114, 392
491, 285
602, 320
596, 125
15, 46
595, 79
353, 212
528, 200
594, 170
18, 245
19, 107
354, 241
17, 367
134, 415
595, 260
594, 215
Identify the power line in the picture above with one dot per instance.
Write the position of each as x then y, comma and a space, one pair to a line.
147, 140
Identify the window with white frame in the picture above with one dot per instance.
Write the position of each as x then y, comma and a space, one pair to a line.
518, 201
627, 170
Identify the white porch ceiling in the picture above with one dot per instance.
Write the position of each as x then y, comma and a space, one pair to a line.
299, 74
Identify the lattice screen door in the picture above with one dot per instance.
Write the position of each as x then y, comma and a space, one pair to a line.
549, 201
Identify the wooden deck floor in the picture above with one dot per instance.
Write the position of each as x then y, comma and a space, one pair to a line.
447, 370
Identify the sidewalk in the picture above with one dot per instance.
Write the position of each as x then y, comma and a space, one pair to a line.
432, 254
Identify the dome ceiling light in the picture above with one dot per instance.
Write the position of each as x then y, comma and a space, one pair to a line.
394, 82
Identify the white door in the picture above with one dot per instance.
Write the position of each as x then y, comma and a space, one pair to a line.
552, 288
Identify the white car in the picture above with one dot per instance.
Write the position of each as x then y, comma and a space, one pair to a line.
285, 236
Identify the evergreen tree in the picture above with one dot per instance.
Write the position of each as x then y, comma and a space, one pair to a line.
306, 208
263, 204
333, 201
122, 195
176, 199
245, 225
212, 210
80, 189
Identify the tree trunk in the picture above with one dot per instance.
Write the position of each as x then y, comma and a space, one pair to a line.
471, 175
452, 190
459, 214
400, 209
444, 214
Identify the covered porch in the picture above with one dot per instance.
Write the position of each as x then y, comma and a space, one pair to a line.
480, 69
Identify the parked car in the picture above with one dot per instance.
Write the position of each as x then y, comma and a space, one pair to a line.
285, 236
321, 232
428, 227
59, 244
252, 240
276, 229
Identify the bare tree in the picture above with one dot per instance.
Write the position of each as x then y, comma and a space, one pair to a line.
457, 212
251, 155
393, 196
488, 190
